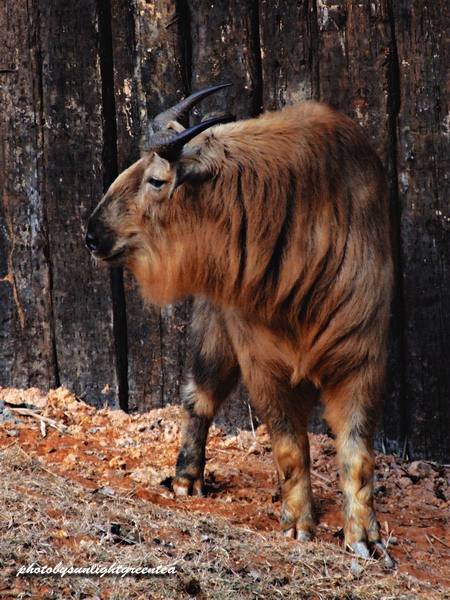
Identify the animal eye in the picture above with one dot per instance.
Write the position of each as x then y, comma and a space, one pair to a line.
157, 183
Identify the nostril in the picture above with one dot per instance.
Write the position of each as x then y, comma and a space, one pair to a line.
92, 242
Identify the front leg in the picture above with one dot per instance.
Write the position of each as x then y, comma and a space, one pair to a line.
214, 374
198, 411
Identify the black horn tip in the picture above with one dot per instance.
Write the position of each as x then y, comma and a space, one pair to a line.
171, 149
220, 86
181, 110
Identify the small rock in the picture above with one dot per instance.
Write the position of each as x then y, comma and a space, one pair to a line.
107, 491
420, 469
428, 485
404, 482
356, 568
70, 461
6, 414
93, 430
255, 575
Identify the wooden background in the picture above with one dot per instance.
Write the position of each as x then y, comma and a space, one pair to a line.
78, 83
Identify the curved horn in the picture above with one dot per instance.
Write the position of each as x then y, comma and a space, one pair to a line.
170, 148
181, 110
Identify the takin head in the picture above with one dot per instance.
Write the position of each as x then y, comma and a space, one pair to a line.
127, 227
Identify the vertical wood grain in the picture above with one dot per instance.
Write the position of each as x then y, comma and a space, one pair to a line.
26, 314
424, 161
72, 186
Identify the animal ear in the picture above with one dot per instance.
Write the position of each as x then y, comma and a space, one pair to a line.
187, 170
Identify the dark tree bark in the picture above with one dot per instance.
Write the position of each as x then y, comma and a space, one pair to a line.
26, 321
423, 164
72, 185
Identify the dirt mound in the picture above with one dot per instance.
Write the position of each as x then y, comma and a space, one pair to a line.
82, 486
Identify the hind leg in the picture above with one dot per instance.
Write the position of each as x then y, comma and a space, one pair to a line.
213, 375
286, 412
291, 455
351, 409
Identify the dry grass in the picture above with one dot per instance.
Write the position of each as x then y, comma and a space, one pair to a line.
47, 519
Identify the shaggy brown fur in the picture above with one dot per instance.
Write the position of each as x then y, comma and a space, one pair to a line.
279, 227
